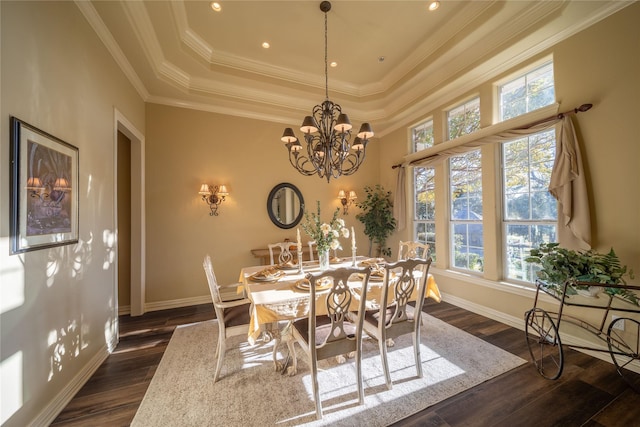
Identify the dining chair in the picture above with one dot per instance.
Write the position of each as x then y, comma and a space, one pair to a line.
395, 317
332, 334
412, 250
312, 245
284, 254
233, 316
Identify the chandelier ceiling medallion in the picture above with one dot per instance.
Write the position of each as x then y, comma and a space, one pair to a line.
327, 133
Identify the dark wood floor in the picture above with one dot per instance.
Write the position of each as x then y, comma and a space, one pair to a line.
589, 392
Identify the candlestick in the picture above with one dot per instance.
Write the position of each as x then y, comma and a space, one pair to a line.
353, 238
353, 248
300, 270
299, 242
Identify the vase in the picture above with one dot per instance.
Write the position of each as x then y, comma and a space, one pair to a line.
323, 258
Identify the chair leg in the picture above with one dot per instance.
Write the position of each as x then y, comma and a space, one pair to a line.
359, 372
416, 350
316, 389
385, 364
221, 350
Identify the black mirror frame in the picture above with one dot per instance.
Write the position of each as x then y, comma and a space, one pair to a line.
272, 194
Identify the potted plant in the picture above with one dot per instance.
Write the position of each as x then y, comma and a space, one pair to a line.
377, 217
560, 265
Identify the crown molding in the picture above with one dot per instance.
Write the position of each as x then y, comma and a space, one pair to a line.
98, 25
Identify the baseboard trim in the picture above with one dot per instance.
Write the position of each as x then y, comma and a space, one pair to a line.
177, 303
62, 399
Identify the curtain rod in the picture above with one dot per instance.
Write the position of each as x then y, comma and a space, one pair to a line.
580, 109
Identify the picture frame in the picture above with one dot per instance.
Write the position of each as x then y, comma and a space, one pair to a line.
43, 189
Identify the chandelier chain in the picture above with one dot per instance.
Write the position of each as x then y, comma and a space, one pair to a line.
326, 69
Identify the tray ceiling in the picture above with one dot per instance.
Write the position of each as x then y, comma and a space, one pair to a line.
182, 53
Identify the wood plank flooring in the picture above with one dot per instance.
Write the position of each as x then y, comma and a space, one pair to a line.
589, 392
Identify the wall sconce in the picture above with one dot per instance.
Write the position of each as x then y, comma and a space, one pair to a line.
347, 200
213, 195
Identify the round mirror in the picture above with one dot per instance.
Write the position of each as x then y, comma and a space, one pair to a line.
285, 205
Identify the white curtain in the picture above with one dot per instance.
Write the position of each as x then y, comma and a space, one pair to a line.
400, 202
568, 182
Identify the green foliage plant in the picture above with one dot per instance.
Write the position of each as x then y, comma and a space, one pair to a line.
560, 265
377, 217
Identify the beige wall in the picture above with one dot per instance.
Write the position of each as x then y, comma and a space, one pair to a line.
600, 65
58, 308
186, 148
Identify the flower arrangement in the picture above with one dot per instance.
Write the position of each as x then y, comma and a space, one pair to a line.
325, 234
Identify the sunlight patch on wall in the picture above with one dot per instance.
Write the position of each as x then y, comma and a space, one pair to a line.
64, 345
10, 386
12, 279
53, 267
109, 240
81, 257
110, 333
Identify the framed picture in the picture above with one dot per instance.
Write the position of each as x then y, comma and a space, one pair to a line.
44, 189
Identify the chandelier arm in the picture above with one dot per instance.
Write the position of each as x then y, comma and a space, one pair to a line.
300, 163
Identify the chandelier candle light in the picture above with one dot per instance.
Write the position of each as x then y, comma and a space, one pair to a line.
327, 133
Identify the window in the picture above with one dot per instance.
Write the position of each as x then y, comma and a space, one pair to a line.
464, 119
465, 185
422, 136
465, 191
424, 225
530, 211
528, 92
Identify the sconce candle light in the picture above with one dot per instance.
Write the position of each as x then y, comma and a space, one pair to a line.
347, 200
213, 195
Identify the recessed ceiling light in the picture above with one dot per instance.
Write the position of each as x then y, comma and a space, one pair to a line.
381, 59
266, 45
216, 6
434, 5
334, 64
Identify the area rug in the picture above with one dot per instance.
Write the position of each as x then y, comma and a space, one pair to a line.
251, 393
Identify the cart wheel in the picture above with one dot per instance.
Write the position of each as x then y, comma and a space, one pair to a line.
544, 343
625, 349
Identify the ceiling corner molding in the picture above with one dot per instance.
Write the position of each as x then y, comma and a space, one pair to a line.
170, 72
97, 24
430, 45
226, 109
143, 28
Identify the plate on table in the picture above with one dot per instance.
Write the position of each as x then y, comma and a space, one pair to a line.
305, 285
376, 276
287, 266
371, 262
335, 260
267, 275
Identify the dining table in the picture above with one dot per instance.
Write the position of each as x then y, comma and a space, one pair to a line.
277, 293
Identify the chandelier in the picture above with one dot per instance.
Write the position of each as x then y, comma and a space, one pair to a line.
327, 134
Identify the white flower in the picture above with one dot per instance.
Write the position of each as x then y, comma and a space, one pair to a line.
345, 232
325, 228
341, 222
335, 233
335, 244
